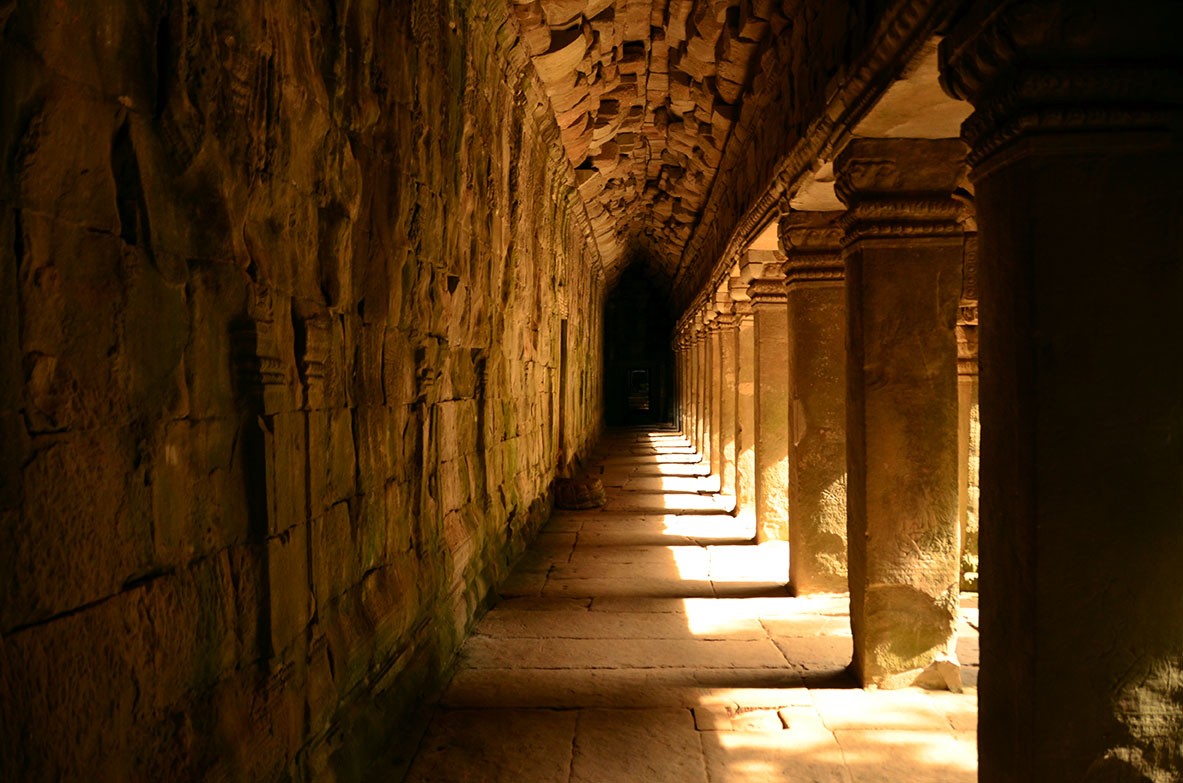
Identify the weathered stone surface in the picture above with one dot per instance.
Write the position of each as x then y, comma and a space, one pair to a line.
770, 336
662, 688
1076, 396
817, 412
282, 291
903, 265
649, 96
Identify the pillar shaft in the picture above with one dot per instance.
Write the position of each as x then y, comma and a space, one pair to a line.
968, 417
699, 389
745, 411
1076, 168
903, 264
716, 395
770, 332
816, 297
708, 396
727, 400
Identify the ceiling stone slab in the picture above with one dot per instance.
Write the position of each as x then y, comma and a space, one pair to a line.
646, 94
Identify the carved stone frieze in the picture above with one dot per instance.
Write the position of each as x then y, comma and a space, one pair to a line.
812, 243
900, 187
769, 288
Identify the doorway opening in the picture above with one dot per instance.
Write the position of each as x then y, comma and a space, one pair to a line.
638, 359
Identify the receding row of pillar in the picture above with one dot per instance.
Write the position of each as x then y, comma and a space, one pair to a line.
1075, 156
829, 384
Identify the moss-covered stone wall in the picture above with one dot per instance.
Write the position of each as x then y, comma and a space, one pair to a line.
282, 292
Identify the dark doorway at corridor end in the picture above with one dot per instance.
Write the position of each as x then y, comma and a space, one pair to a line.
638, 360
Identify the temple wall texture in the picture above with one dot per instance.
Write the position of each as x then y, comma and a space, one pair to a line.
281, 290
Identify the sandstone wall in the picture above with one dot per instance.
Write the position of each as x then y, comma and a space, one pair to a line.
281, 290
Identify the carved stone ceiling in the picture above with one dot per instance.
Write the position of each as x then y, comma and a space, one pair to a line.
646, 94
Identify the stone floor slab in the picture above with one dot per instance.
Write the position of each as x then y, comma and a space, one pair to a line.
913, 756
788, 755
484, 652
624, 688
620, 627
906, 709
470, 746
817, 652
564, 624
654, 587
658, 746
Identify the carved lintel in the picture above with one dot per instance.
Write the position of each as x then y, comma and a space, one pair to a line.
900, 188
800, 231
870, 168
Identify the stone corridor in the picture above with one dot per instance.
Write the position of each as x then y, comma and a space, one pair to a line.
311, 311
653, 640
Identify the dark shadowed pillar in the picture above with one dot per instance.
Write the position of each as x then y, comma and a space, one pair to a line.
815, 287
1077, 156
903, 265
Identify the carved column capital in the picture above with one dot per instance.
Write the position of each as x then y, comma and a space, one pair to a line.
900, 187
1041, 66
812, 244
740, 303
769, 287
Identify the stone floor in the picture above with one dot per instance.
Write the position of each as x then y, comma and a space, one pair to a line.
652, 640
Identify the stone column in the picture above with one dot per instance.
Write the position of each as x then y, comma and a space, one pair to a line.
708, 395
903, 250
1077, 166
745, 401
968, 419
683, 356
814, 283
725, 324
715, 391
766, 290
699, 360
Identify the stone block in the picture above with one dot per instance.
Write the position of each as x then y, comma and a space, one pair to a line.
289, 587
69, 548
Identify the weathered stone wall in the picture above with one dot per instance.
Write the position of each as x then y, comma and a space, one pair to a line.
281, 290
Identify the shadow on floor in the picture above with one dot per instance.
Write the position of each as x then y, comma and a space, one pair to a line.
653, 640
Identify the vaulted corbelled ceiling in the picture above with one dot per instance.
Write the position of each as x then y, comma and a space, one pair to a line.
646, 94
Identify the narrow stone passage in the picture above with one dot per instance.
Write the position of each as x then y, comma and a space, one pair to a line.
652, 640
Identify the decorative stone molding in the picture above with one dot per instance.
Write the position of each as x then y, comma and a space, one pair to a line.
967, 350
900, 187
902, 31
259, 365
740, 303
769, 288
1044, 66
314, 339
812, 243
